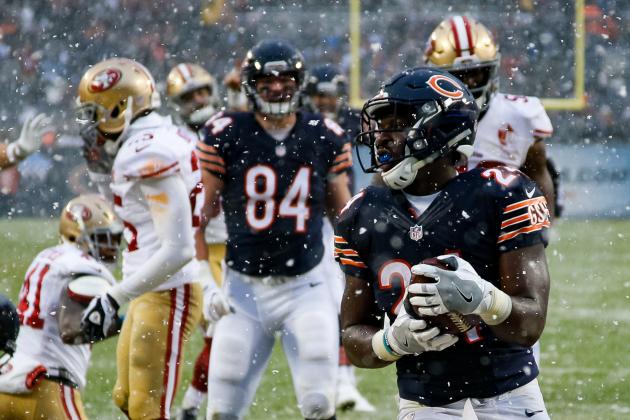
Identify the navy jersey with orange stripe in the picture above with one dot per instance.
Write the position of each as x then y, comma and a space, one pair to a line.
274, 191
479, 215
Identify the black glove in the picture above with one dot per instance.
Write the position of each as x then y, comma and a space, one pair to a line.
99, 318
97, 159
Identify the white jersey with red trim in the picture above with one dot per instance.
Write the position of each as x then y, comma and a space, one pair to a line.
155, 148
216, 231
509, 128
46, 279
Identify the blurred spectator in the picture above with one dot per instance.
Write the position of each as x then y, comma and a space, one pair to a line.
45, 45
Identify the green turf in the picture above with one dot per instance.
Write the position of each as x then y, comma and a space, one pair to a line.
586, 362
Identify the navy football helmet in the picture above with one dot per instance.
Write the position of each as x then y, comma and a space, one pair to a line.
9, 328
432, 108
326, 80
272, 58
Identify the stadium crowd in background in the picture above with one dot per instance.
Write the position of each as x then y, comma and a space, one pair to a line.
43, 51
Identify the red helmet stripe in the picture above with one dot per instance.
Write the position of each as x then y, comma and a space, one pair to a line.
471, 44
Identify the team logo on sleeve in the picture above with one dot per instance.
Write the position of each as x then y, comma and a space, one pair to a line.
445, 86
105, 80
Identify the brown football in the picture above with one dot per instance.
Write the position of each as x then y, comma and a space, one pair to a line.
452, 322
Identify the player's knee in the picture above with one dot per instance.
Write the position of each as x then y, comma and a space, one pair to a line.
316, 334
233, 350
120, 398
317, 405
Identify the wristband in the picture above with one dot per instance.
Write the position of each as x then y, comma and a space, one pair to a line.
382, 349
500, 307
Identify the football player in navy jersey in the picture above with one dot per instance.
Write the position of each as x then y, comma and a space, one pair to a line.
326, 93
277, 170
485, 224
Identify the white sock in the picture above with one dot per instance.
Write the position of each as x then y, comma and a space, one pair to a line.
193, 398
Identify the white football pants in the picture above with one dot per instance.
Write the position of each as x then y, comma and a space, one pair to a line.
335, 278
521, 403
300, 310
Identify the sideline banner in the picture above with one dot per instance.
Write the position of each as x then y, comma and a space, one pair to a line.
594, 179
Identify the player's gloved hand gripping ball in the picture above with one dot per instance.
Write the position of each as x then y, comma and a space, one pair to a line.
447, 291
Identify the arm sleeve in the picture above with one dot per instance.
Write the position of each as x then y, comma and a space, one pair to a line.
341, 149
540, 124
170, 210
209, 148
523, 215
347, 246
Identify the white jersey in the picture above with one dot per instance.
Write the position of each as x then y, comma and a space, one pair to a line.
508, 129
154, 148
46, 279
216, 230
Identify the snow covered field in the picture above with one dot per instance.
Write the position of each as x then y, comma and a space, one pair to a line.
586, 363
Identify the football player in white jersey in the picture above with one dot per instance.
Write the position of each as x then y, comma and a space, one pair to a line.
192, 93
30, 139
512, 128
156, 189
49, 367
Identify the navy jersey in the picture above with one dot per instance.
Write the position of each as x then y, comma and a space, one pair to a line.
274, 191
478, 215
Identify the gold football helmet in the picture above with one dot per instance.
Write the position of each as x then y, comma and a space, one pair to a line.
90, 223
111, 94
465, 48
181, 84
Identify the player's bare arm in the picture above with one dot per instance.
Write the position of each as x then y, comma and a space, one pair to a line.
337, 195
524, 276
359, 322
212, 186
535, 166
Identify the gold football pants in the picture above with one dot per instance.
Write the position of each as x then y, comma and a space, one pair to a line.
150, 349
48, 400
216, 255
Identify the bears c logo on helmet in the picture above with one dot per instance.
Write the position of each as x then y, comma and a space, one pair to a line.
445, 89
105, 80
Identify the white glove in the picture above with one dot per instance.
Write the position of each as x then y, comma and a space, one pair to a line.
215, 304
409, 336
459, 290
30, 137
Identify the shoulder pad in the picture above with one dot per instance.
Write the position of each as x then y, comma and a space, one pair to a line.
219, 122
334, 127
531, 110
84, 288
146, 156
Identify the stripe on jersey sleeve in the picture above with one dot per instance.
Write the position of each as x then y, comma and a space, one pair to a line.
525, 216
346, 255
343, 160
210, 159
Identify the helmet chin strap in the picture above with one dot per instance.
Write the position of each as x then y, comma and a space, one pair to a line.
404, 173
401, 175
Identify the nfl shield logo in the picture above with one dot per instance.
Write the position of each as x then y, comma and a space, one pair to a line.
415, 232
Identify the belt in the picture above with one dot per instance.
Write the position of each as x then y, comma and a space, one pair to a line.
61, 375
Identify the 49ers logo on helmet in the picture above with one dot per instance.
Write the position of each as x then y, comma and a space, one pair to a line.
79, 210
105, 80
445, 86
